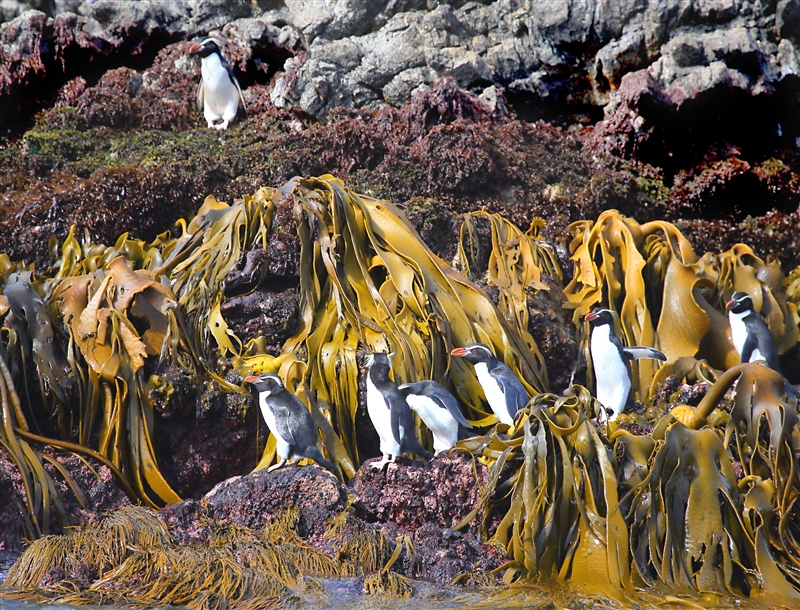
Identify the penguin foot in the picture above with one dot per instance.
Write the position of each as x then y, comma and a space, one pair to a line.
276, 466
222, 126
387, 459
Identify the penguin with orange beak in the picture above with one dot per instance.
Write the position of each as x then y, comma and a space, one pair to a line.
219, 93
504, 392
611, 361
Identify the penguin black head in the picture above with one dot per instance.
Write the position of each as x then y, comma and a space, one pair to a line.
474, 353
378, 359
266, 382
740, 302
205, 47
599, 316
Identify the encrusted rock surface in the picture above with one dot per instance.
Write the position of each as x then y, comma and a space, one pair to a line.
420, 499
99, 488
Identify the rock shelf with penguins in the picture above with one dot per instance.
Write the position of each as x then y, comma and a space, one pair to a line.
151, 265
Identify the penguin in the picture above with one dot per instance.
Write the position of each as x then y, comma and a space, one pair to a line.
440, 411
390, 413
504, 392
218, 93
611, 361
289, 420
750, 333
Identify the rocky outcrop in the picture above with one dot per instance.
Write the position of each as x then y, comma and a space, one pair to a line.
367, 53
419, 499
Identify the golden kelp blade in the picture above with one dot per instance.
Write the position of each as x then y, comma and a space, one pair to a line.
368, 281
651, 276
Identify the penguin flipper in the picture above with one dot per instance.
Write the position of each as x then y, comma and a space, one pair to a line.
637, 352
200, 95
450, 403
239, 89
282, 424
395, 414
750, 344
514, 392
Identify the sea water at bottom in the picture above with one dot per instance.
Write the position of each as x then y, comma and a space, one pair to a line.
345, 594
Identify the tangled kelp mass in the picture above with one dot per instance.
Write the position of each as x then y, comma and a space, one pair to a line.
567, 498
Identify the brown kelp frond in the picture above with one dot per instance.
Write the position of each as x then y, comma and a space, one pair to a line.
358, 547
105, 313
195, 577
367, 280
687, 532
387, 583
564, 520
668, 297
103, 545
514, 264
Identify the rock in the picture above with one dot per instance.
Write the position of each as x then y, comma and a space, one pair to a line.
98, 486
273, 315
787, 20
413, 492
253, 499
421, 498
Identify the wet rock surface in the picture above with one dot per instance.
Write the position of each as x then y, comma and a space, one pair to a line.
412, 493
420, 499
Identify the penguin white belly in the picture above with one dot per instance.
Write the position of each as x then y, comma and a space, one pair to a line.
738, 331
381, 417
220, 96
739, 335
494, 393
439, 421
611, 375
281, 446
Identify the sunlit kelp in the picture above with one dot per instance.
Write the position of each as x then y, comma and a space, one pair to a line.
666, 296
563, 521
665, 511
368, 281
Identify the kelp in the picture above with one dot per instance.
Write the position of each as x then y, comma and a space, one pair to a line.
563, 521
369, 282
666, 296
132, 561
609, 515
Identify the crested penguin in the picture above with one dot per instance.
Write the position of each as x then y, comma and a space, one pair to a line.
750, 333
439, 409
218, 93
289, 420
504, 392
390, 413
611, 361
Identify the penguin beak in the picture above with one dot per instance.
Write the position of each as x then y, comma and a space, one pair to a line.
459, 351
252, 379
195, 49
590, 316
731, 304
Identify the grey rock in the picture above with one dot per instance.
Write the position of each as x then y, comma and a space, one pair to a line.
787, 20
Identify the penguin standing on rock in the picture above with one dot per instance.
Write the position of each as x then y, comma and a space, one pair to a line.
390, 413
611, 361
504, 392
219, 93
439, 409
289, 420
750, 333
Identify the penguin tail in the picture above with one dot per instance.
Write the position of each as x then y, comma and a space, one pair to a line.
411, 445
316, 455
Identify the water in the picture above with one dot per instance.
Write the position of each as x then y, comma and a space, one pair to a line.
345, 594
